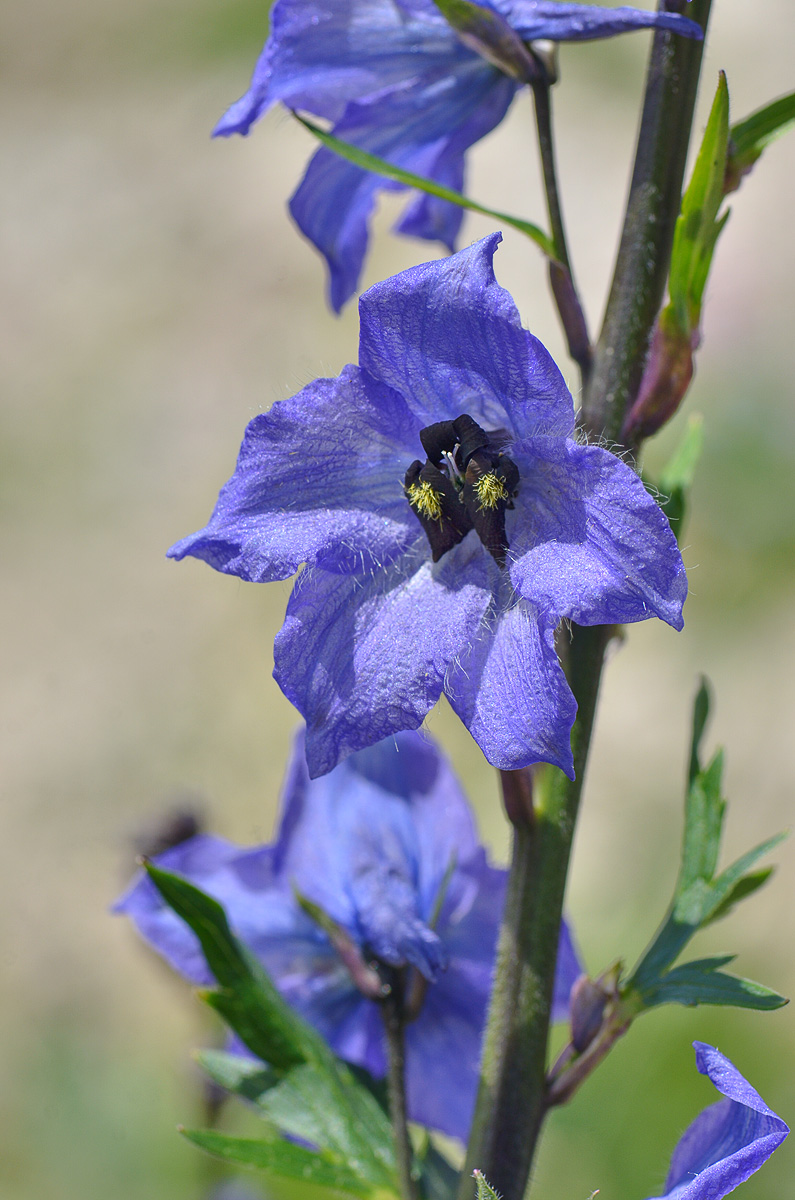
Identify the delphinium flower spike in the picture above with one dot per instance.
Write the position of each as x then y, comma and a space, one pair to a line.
386, 846
395, 78
448, 520
728, 1142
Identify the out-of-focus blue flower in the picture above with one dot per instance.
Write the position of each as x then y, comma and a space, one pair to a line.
397, 80
449, 575
728, 1142
386, 845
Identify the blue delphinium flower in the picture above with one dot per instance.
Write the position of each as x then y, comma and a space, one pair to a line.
728, 1142
387, 847
449, 574
397, 80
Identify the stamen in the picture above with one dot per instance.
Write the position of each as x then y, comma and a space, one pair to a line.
490, 491
425, 499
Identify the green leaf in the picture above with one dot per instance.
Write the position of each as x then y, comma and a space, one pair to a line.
484, 1189
697, 227
305, 1088
745, 886
701, 982
678, 474
701, 896
724, 885
749, 138
305, 1103
246, 998
379, 166
490, 35
705, 809
701, 707
281, 1159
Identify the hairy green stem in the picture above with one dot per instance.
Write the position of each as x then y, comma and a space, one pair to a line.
543, 810
644, 252
392, 1012
512, 1098
561, 277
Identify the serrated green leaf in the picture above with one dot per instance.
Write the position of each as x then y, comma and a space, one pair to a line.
701, 896
246, 998
305, 1103
379, 166
701, 982
281, 1159
696, 231
748, 138
745, 886
341, 1113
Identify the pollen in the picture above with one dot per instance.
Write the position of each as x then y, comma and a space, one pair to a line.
490, 490
426, 500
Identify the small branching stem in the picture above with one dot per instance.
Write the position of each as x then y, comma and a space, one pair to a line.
394, 1030
561, 277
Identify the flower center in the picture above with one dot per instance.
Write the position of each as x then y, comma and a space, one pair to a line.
465, 483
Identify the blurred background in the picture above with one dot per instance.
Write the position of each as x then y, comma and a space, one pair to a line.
155, 298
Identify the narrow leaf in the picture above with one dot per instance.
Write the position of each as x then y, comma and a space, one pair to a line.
247, 999
695, 234
704, 812
727, 880
281, 1159
699, 982
379, 166
314, 1087
749, 138
701, 707
743, 888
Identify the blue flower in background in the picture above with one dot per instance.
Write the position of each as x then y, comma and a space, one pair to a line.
396, 79
384, 844
449, 575
728, 1142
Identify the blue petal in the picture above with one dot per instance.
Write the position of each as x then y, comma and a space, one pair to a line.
317, 480
424, 126
360, 848
447, 336
320, 57
588, 540
233, 876
510, 691
362, 657
443, 1046
729, 1141
557, 22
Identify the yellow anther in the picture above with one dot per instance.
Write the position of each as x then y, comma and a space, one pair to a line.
490, 490
425, 500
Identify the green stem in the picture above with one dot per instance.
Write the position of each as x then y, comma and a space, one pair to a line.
511, 1101
561, 278
644, 251
394, 1028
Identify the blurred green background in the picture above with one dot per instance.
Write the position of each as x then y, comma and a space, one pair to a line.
156, 298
